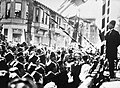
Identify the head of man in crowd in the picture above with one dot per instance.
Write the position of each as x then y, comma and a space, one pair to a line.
22, 83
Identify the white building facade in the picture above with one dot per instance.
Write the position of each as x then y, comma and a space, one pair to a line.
43, 31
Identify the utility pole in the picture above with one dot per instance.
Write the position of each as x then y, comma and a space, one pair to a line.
29, 23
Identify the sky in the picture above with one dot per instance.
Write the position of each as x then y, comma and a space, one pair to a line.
90, 9
53, 4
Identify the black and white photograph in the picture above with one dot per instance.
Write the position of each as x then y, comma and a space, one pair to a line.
59, 43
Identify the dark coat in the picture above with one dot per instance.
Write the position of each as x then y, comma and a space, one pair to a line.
112, 42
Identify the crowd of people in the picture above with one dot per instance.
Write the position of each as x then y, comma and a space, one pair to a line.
24, 66
30, 66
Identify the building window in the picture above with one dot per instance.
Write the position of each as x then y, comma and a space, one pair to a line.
103, 23
18, 9
57, 22
0, 7
27, 11
46, 18
103, 9
43, 16
17, 38
6, 33
52, 22
37, 15
17, 33
108, 2
8, 5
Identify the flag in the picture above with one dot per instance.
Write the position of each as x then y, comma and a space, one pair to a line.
64, 6
68, 3
78, 2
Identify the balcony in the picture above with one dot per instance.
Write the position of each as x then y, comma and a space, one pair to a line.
14, 20
44, 27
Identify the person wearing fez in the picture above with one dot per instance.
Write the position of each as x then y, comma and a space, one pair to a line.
112, 38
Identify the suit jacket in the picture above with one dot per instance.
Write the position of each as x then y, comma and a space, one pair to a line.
112, 42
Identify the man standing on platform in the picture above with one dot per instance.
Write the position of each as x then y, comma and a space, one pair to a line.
112, 38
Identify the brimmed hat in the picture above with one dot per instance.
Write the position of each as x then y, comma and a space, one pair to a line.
3, 64
37, 76
31, 67
9, 57
19, 65
40, 70
28, 76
